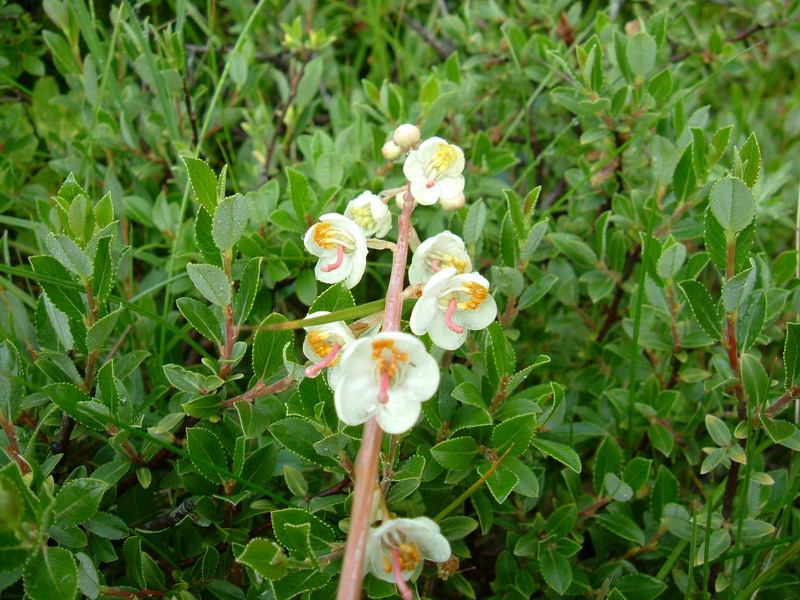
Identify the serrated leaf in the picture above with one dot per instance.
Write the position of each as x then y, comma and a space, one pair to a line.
750, 155
562, 453
78, 500
98, 333
265, 557
268, 347
718, 430
641, 53
732, 204
248, 288
204, 447
203, 182
622, 526
104, 271
202, 318
51, 575
455, 453
702, 306
684, 179
211, 282
69, 254
555, 569
230, 221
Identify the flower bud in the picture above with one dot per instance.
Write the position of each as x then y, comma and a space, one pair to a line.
454, 203
406, 136
400, 200
391, 151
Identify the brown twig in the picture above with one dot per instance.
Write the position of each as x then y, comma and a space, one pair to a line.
120, 593
13, 444
281, 117
613, 310
259, 389
443, 48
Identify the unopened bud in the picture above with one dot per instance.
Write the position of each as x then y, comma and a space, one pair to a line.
400, 200
454, 203
391, 151
406, 136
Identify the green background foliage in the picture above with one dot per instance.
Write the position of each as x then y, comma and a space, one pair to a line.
631, 195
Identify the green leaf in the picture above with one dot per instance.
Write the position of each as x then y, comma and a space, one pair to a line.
63, 298
78, 500
637, 472
755, 380
562, 453
665, 490
265, 557
574, 248
750, 156
501, 482
718, 430
475, 223
51, 575
105, 271
660, 86
737, 287
230, 221
684, 179
69, 254
702, 307
203, 182
535, 237
248, 288
107, 526
203, 407
671, 261
77, 405
455, 453
298, 190
457, 527
202, 318
302, 533
622, 526
81, 218
336, 297
268, 347
11, 372
253, 418
514, 206
732, 203
299, 436
562, 520
211, 282
661, 438
699, 151
607, 460
204, 447
98, 333
720, 541
641, 53
555, 569
204, 237
719, 143
791, 355
639, 586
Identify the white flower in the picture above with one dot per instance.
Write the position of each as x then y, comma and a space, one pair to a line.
435, 171
406, 135
323, 345
398, 548
450, 305
391, 151
387, 376
341, 247
434, 254
370, 213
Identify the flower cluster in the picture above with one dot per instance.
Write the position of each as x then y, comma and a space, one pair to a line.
388, 375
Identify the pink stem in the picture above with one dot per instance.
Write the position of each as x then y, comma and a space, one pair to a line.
435, 266
314, 370
448, 317
397, 571
383, 396
339, 260
366, 467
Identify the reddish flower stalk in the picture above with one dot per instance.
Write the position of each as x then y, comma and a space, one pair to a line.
366, 467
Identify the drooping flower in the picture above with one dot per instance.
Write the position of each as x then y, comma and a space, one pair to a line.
388, 376
450, 305
324, 345
341, 247
398, 548
434, 171
434, 254
370, 213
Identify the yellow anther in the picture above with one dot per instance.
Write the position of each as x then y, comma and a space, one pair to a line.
477, 294
451, 261
387, 564
323, 236
387, 364
362, 215
319, 344
443, 159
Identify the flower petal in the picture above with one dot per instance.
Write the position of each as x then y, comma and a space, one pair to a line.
478, 318
399, 414
450, 187
355, 399
423, 315
444, 337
